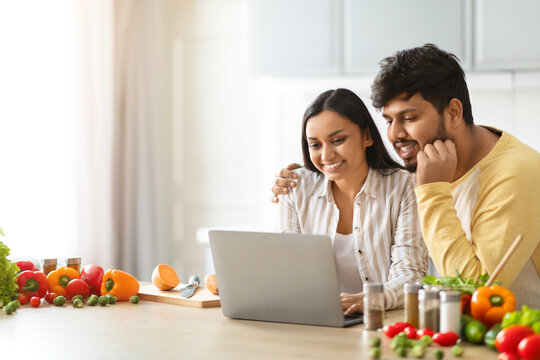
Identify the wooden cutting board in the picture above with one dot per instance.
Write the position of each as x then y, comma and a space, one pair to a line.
202, 298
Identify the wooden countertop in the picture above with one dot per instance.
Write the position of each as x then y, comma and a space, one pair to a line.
151, 330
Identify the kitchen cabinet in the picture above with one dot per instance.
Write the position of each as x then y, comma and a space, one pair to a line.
297, 37
377, 29
507, 34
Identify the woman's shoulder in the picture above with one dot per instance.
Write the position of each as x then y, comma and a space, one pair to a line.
308, 180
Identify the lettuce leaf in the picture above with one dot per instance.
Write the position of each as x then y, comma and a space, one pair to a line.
8, 276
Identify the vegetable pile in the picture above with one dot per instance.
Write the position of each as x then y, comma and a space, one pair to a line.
8, 276
22, 283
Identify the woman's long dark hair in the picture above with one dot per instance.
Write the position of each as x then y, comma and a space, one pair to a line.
348, 104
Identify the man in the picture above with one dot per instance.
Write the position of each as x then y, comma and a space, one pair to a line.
477, 187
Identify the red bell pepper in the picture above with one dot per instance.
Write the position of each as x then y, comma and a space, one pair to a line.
26, 265
93, 276
32, 283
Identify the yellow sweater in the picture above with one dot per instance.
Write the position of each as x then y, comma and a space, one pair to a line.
469, 224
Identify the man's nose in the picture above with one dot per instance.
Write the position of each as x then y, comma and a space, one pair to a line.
396, 131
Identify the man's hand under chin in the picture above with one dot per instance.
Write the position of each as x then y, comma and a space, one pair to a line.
436, 163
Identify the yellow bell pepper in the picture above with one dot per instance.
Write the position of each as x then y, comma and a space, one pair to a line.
490, 304
58, 279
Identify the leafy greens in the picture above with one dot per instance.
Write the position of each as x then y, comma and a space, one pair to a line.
8, 276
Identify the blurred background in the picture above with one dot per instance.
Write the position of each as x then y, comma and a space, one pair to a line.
128, 128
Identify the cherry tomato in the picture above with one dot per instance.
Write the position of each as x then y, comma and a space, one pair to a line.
35, 301
529, 348
445, 339
508, 339
411, 332
77, 287
423, 332
396, 328
507, 356
23, 299
50, 297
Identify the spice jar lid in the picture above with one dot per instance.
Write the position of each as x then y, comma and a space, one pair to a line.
450, 296
412, 288
425, 294
373, 287
73, 261
49, 261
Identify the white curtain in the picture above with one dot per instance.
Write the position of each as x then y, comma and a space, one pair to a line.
85, 147
126, 185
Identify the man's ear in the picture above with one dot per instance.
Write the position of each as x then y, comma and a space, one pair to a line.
454, 111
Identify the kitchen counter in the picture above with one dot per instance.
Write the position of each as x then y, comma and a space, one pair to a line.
151, 330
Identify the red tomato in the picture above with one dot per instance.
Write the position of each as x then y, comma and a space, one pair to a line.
35, 301
410, 331
445, 339
508, 339
423, 332
507, 356
23, 299
93, 275
529, 348
50, 297
77, 287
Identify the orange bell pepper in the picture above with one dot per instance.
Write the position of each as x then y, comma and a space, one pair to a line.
58, 279
120, 284
490, 304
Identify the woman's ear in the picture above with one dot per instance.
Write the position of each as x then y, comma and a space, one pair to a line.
455, 112
368, 140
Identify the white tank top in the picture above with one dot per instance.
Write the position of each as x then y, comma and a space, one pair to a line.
348, 274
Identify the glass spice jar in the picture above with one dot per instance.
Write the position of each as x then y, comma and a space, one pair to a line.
450, 311
428, 309
373, 306
74, 263
48, 265
411, 303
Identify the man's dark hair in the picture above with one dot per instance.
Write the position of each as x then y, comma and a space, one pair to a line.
349, 105
428, 70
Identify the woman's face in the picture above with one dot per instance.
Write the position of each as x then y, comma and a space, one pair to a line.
337, 146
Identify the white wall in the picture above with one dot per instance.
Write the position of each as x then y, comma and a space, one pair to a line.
233, 131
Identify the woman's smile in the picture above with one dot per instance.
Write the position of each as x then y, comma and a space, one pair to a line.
333, 167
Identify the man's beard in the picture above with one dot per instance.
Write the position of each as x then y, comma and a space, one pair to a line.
441, 135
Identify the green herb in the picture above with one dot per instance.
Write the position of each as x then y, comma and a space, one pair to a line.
8, 272
459, 283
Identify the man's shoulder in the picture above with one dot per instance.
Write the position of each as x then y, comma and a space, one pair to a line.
512, 155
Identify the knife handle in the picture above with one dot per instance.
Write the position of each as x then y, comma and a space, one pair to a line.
194, 280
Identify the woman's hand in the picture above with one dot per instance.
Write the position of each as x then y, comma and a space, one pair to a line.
284, 181
352, 303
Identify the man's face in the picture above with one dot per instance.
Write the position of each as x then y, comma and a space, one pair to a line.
412, 124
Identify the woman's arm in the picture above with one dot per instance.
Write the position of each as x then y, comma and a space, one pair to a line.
409, 254
288, 221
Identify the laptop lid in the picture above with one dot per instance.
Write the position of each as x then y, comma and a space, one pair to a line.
288, 278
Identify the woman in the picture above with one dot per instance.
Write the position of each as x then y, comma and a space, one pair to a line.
352, 190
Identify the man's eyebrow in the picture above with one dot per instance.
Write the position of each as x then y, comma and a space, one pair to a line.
404, 111
329, 135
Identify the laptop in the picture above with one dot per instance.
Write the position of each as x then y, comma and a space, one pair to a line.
289, 278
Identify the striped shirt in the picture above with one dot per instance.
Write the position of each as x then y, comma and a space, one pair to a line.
388, 243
